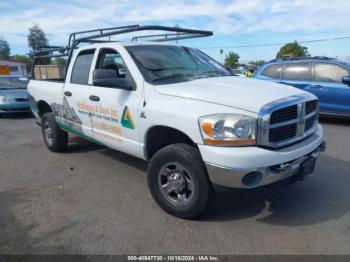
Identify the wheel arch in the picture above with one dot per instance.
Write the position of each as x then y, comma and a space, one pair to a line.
160, 136
43, 107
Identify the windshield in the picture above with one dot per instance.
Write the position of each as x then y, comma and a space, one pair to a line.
347, 65
162, 64
8, 82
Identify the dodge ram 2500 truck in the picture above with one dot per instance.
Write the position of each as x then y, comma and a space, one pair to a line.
197, 124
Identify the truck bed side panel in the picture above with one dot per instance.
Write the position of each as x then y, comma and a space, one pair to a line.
45, 91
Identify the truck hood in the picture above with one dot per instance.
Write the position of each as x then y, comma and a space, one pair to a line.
243, 93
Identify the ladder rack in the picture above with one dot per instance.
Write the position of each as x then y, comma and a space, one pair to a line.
97, 35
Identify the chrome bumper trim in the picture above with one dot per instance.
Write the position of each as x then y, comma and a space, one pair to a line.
232, 177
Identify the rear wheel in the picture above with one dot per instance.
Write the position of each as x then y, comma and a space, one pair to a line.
55, 138
178, 180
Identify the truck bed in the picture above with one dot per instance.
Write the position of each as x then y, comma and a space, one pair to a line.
49, 92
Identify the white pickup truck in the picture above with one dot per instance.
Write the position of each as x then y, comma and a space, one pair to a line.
199, 126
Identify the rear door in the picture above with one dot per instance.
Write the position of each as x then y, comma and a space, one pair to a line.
76, 108
333, 94
116, 116
297, 74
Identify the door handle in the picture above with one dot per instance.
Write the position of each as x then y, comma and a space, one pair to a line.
94, 98
67, 93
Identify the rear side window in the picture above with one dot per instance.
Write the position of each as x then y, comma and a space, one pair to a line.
297, 71
329, 72
272, 71
81, 69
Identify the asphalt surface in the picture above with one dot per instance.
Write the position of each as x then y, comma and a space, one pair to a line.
92, 200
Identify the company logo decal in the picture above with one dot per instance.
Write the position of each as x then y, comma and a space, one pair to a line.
127, 121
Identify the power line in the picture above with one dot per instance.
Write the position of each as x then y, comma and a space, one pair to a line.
279, 44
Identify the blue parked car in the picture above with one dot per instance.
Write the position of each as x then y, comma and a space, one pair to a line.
13, 95
327, 78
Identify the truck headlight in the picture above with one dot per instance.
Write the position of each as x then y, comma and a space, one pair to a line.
3, 99
228, 130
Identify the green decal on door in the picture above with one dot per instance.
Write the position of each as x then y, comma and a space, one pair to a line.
127, 121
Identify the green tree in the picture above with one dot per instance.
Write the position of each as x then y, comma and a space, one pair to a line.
60, 61
292, 50
231, 60
4, 49
260, 62
24, 59
36, 39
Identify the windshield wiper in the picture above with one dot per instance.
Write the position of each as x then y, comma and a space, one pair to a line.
213, 73
168, 68
172, 76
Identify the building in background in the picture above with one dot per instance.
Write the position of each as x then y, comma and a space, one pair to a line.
10, 67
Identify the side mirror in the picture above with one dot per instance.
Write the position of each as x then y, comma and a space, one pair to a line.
108, 78
346, 80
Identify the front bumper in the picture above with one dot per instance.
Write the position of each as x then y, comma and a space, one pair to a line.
250, 167
20, 107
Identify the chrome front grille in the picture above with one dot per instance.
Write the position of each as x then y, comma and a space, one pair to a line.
284, 114
287, 121
310, 106
282, 132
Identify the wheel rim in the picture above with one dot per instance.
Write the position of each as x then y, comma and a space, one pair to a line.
48, 133
176, 183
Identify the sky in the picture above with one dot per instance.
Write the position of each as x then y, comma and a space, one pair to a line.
234, 22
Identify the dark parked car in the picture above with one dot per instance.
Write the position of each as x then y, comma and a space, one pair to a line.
327, 78
13, 94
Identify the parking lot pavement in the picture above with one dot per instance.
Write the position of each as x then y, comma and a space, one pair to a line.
93, 200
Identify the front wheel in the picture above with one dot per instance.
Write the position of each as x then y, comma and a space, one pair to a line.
55, 138
178, 180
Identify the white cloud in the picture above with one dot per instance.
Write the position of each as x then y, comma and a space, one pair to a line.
237, 17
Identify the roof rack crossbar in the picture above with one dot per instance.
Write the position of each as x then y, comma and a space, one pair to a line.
45, 50
96, 41
136, 38
300, 58
95, 35
52, 55
135, 28
81, 37
167, 37
188, 36
100, 32
104, 29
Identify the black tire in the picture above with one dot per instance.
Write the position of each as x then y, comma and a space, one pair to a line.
57, 139
179, 159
